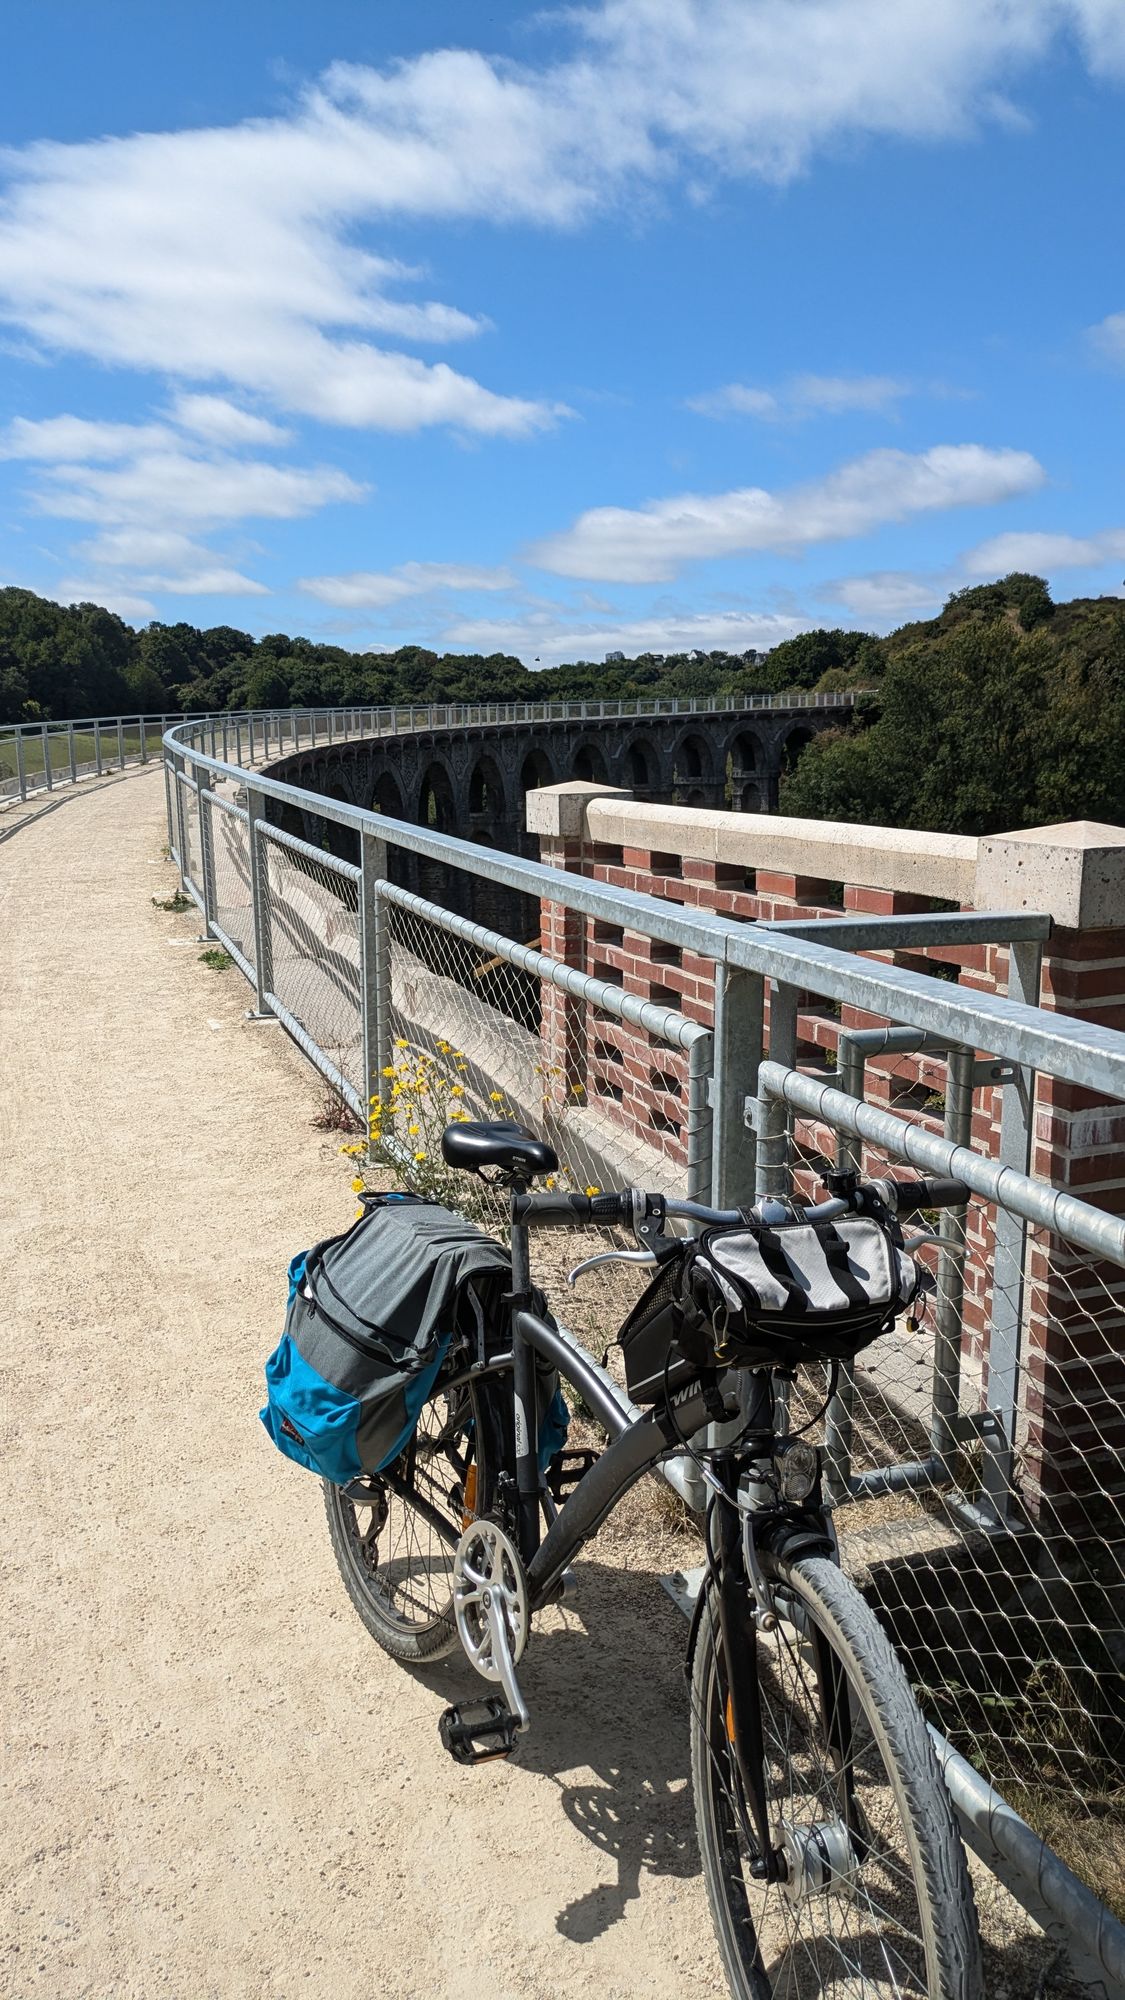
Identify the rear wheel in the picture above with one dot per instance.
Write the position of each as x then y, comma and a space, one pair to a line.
877, 1901
395, 1553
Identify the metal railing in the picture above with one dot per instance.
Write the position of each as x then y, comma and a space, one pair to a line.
1003, 1607
38, 756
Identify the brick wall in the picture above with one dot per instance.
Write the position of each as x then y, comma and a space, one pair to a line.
1072, 1436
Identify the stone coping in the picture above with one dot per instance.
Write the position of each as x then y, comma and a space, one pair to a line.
1074, 872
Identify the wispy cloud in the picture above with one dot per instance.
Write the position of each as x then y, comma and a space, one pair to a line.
1043, 551
153, 490
886, 596
651, 543
233, 256
549, 635
805, 396
375, 589
225, 423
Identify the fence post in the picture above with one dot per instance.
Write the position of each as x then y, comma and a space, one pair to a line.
144, 739
120, 744
48, 779
771, 1173
375, 976
949, 1314
739, 1020
21, 769
168, 783
181, 823
260, 899
97, 749
1005, 1333
72, 752
206, 852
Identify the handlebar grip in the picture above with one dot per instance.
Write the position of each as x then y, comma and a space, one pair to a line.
568, 1211
935, 1193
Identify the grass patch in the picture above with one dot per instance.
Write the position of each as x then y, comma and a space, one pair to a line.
217, 960
177, 903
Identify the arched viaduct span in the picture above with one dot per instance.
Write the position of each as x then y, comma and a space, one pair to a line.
468, 771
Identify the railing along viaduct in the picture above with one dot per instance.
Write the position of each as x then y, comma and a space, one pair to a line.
687, 994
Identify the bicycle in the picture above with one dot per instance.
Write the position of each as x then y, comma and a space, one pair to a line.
830, 1852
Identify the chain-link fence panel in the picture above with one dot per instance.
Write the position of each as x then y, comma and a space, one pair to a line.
312, 955
474, 1035
233, 915
999, 1573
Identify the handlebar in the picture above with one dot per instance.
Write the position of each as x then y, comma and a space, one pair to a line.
629, 1206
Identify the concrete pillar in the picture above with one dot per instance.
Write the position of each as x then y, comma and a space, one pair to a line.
1072, 1440
557, 814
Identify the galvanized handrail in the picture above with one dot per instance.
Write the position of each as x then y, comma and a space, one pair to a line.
748, 1094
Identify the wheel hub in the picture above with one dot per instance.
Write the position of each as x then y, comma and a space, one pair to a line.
819, 1860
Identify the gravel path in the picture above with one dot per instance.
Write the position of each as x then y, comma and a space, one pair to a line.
215, 1785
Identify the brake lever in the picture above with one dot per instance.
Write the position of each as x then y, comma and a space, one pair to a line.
611, 1257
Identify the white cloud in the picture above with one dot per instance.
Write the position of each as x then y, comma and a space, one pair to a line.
804, 396
177, 488
159, 559
551, 636
1109, 337
374, 589
649, 544
106, 592
224, 423
50, 439
233, 255
1039, 553
886, 594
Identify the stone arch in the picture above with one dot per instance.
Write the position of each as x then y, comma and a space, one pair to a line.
487, 800
642, 765
692, 758
745, 773
536, 770
589, 763
792, 744
436, 805
386, 796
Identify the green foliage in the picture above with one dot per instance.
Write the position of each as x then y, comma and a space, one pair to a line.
1005, 711
216, 959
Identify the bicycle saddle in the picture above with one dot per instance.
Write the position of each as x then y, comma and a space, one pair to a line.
497, 1144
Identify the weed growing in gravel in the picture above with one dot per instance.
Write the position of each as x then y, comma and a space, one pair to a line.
216, 959
177, 903
336, 1114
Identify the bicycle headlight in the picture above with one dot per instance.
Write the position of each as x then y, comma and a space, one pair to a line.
798, 1465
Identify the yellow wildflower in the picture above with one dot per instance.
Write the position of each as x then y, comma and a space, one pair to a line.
388, 1071
357, 1186
419, 1156
456, 1090
402, 1045
593, 1190
494, 1097
413, 1131
577, 1089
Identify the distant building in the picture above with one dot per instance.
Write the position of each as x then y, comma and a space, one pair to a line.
613, 656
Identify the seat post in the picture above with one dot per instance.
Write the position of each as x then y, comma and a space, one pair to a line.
523, 1387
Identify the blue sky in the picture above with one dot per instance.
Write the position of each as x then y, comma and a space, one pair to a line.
656, 323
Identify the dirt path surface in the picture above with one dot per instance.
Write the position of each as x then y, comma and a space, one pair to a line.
215, 1784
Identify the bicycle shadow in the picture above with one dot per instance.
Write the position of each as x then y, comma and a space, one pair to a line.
604, 1680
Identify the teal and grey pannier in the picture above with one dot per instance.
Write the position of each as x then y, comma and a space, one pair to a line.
371, 1316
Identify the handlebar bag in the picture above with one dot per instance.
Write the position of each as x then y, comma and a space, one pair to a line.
777, 1295
801, 1291
370, 1318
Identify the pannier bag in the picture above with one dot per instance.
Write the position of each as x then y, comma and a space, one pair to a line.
370, 1319
779, 1294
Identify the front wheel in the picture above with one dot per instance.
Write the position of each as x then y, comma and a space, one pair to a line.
876, 1900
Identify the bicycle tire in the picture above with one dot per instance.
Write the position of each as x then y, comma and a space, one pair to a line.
848, 1939
398, 1570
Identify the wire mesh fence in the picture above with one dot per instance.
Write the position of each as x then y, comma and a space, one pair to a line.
232, 888
1009, 1617
311, 906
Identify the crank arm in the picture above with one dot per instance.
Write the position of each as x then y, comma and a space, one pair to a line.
502, 1655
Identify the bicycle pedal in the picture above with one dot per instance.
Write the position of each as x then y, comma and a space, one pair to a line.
477, 1731
566, 1469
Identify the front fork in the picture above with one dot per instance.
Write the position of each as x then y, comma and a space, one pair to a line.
747, 1607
